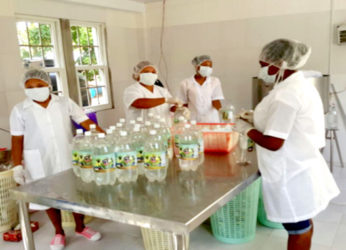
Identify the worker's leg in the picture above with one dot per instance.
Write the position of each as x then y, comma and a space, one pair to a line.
79, 219
300, 235
55, 217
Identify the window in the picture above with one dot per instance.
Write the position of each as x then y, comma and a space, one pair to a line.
91, 64
39, 39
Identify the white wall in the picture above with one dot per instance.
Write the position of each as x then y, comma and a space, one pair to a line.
124, 36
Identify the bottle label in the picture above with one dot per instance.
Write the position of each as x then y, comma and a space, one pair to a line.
155, 160
140, 157
103, 163
188, 151
126, 160
75, 158
85, 159
227, 115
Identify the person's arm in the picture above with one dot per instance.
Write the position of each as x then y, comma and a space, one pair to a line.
17, 149
265, 141
217, 104
147, 103
86, 125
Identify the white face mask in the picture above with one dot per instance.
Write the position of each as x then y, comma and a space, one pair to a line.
37, 94
148, 78
264, 75
205, 71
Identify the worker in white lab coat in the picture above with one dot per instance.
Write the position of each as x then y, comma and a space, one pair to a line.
41, 136
289, 132
144, 97
202, 93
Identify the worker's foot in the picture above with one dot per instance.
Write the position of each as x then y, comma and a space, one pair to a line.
89, 234
58, 242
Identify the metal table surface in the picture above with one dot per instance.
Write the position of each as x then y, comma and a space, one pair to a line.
178, 205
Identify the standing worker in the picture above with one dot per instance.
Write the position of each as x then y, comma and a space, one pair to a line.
144, 97
289, 133
42, 134
202, 93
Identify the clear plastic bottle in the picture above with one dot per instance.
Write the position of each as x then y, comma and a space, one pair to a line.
85, 158
138, 139
188, 149
147, 127
75, 151
227, 114
199, 135
111, 143
130, 126
178, 128
177, 114
150, 117
140, 120
126, 159
103, 161
332, 117
155, 158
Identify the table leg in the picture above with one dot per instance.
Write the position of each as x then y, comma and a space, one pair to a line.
181, 241
28, 239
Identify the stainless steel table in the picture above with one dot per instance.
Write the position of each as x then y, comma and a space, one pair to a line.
178, 205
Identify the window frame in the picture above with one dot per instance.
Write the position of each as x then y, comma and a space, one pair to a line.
59, 66
101, 33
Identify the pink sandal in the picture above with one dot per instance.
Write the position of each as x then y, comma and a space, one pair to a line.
58, 242
89, 234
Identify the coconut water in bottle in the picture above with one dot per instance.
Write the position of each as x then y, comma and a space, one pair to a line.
199, 135
75, 151
155, 158
85, 158
188, 149
126, 159
138, 139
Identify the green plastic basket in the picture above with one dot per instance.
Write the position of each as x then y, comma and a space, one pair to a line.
262, 215
235, 222
157, 240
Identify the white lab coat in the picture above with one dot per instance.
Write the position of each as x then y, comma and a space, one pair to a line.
47, 134
297, 184
200, 97
137, 91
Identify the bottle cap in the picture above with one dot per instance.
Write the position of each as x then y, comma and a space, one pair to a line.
122, 120
187, 126
119, 125
112, 127
109, 131
132, 122
147, 123
181, 118
150, 115
87, 133
152, 132
123, 133
156, 125
193, 122
101, 135
140, 119
92, 126
136, 129
79, 131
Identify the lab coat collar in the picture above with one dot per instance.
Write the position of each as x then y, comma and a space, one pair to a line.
295, 77
205, 82
28, 102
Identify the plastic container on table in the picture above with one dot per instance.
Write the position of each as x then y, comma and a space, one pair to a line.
8, 207
235, 223
218, 137
157, 240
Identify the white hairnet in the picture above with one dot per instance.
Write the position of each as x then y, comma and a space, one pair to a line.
198, 60
286, 54
140, 66
36, 74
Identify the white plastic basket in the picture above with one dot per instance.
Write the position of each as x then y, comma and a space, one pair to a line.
157, 240
8, 207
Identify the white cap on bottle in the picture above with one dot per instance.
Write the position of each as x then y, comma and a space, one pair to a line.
101, 135
132, 122
163, 120
156, 125
187, 125
181, 118
119, 125
150, 115
140, 119
152, 132
79, 131
123, 133
109, 131
122, 120
193, 122
136, 128
92, 126
147, 123
87, 133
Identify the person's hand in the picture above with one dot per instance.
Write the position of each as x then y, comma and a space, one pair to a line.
174, 101
243, 127
246, 115
19, 174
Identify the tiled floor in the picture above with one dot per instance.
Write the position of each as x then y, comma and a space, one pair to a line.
330, 233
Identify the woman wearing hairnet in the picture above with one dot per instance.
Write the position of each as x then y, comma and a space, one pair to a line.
289, 133
143, 96
202, 92
41, 134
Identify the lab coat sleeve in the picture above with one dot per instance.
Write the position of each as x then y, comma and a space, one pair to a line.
16, 122
182, 93
76, 113
282, 114
131, 94
217, 93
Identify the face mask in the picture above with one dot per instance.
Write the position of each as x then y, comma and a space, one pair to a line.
148, 78
205, 71
263, 74
37, 94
